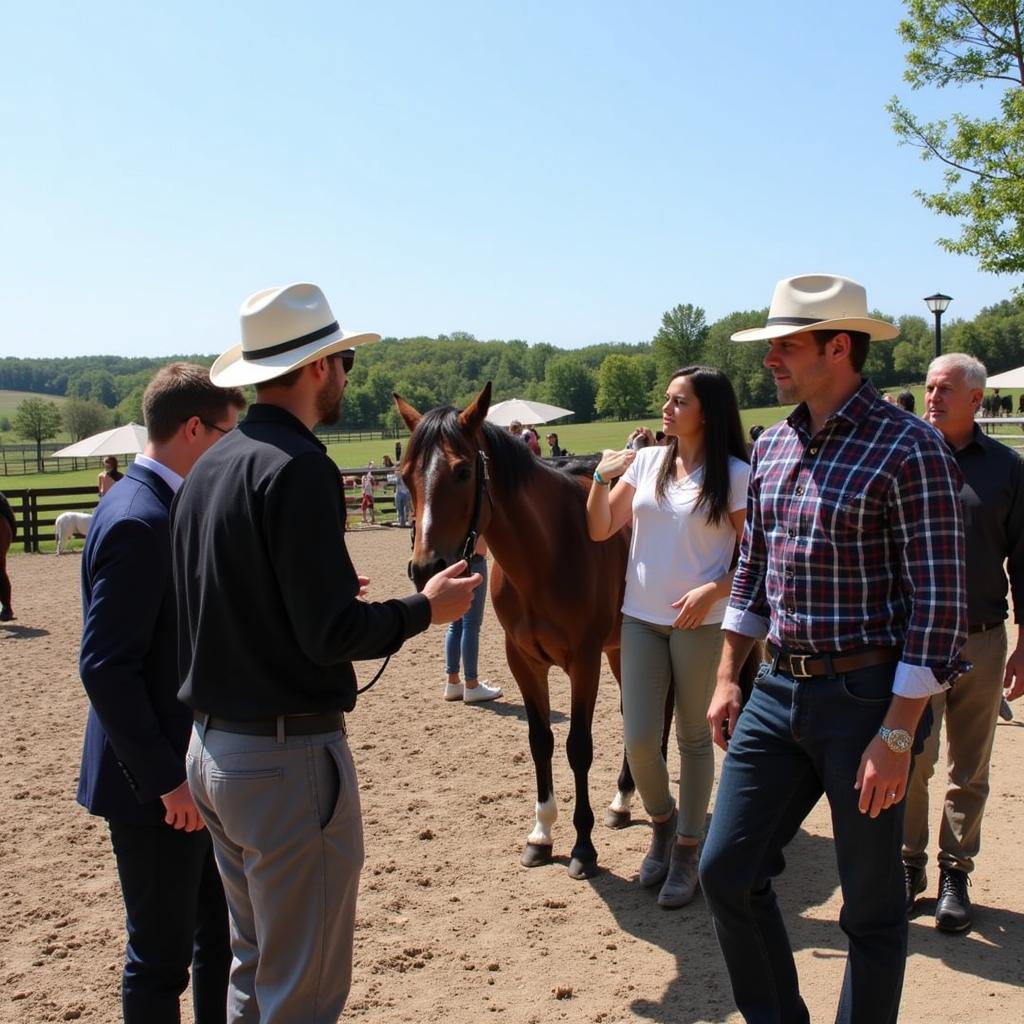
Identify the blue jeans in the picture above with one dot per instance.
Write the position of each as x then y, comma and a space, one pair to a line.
463, 635
176, 919
403, 505
797, 739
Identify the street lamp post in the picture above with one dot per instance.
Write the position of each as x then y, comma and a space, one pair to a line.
938, 304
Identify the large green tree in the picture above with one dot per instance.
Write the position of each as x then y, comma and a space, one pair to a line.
83, 418
37, 419
680, 340
571, 384
977, 43
621, 387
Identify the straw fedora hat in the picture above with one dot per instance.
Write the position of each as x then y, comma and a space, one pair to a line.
819, 302
282, 329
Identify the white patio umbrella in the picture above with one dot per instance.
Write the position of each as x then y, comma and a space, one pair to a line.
527, 412
126, 440
1007, 379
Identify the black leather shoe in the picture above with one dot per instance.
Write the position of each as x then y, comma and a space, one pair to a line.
916, 881
953, 911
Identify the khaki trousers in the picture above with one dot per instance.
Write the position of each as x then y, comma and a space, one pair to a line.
970, 709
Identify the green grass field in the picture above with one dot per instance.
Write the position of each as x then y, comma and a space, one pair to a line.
9, 402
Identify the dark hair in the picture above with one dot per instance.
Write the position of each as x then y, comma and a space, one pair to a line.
723, 437
180, 391
859, 344
113, 459
756, 431
905, 400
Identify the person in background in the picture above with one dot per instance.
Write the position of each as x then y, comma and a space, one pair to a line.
557, 451
133, 758
755, 432
905, 400
462, 642
8, 531
110, 475
992, 496
530, 437
686, 504
368, 483
852, 563
640, 437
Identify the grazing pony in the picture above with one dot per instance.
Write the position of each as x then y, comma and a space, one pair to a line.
8, 529
68, 525
556, 593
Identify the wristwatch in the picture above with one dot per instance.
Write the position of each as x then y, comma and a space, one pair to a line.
899, 741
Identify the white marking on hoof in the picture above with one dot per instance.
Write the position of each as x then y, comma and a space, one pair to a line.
547, 814
621, 802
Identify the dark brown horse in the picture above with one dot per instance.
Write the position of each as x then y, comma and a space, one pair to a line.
7, 530
556, 593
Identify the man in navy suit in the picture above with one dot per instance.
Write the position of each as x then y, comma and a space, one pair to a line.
133, 760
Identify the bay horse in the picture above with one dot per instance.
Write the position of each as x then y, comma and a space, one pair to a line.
7, 532
556, 593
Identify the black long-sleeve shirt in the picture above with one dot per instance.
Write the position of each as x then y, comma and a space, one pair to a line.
992, 497
268, 613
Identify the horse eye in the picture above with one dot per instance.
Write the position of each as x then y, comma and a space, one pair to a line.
463, 473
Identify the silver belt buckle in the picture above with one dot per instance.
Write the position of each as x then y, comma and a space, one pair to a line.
798, 666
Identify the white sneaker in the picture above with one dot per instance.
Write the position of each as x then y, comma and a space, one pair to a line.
481, 692
453, 691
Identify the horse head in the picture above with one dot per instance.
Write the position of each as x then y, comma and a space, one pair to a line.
445, 468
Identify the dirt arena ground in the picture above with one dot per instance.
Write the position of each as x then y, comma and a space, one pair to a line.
450, 927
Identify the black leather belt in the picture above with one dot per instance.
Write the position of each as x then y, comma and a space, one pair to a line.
281, 726
803, 666
983, 627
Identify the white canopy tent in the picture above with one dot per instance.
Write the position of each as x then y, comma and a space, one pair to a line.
525, 411
1007, 379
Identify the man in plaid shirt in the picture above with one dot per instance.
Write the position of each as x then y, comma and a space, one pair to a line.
852, 565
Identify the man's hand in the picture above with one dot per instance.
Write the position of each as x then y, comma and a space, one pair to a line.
881, 778
1013, 679
364, 585
724, 709
449, 593
181, 809
694, 606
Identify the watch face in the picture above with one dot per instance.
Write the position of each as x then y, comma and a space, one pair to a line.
897, 740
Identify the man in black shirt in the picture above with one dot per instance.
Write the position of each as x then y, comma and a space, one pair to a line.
993, 504
271, 619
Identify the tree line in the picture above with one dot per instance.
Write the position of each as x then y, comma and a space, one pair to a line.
609, 380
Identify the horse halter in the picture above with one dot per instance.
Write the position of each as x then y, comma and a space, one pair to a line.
473, 534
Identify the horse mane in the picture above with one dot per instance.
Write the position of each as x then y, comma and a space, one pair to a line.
440, 428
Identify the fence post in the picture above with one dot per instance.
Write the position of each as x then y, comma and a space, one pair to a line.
25, 531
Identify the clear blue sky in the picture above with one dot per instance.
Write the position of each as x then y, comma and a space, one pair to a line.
554, 171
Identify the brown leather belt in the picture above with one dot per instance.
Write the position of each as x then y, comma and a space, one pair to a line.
280, 726
983, 627
803, 666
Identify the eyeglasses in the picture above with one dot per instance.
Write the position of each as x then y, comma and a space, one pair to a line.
348, 358
213, 426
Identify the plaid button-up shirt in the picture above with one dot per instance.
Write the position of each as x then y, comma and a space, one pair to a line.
854, 537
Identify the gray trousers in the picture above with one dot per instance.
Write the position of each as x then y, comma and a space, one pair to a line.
655, 658
288, 838
970, 709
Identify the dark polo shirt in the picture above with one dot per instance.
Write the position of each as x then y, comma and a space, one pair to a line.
269, 619
993, 504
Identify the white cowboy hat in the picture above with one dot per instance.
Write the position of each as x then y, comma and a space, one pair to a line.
819, 302
282, 329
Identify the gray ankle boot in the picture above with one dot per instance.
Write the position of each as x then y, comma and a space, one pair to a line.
655, 864
681, 882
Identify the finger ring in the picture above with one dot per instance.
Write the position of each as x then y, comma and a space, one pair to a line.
892, 796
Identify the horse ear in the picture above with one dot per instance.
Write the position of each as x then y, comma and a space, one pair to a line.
476, 412
406, 411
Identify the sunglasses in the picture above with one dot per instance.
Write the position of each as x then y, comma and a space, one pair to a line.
348, 358
213, 426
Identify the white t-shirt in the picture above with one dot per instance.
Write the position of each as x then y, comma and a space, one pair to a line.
674, 548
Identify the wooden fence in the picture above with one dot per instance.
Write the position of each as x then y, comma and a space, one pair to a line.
36, 508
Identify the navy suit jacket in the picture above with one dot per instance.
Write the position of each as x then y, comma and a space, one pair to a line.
137, 732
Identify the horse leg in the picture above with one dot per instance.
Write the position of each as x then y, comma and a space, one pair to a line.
580, 749
532, 680
6, 612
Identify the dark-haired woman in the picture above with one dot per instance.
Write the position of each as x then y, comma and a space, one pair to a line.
110, 475
687, 503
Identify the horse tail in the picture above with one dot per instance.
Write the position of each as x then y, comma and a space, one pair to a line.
749, 669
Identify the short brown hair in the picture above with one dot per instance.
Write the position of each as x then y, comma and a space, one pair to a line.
859, 343
182, 390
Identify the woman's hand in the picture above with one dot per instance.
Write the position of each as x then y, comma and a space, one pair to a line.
694, 606
613, 464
